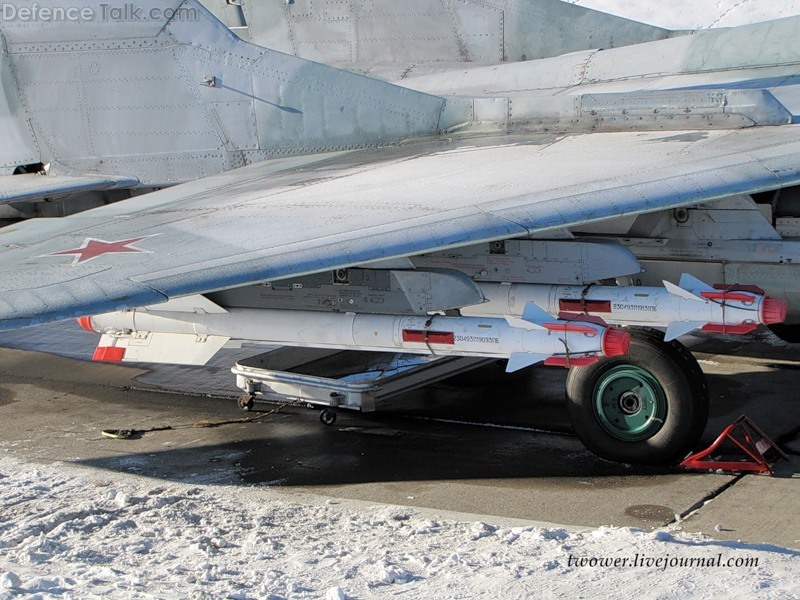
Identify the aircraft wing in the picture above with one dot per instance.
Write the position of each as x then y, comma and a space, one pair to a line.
32, 186
298, 216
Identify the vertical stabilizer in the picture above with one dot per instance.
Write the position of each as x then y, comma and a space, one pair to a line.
183, 86
17, 146
428, 31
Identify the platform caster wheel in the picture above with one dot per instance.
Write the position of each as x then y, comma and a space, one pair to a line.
327, 417
247, 402
649, 407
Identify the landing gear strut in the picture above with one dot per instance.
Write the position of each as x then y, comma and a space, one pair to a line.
649, 407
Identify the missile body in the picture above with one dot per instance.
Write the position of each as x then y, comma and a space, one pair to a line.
535, 337
680, 309
510, 324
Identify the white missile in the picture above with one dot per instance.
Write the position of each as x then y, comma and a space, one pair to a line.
533, 337
679, 308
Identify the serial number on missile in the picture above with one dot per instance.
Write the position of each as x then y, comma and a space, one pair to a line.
634, 307
477, 339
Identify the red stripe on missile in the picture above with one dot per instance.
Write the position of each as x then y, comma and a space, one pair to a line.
753, 289
429, 337
583, 317
737, 296
731, 329
571, 328
595, 306
111, 354
563, 361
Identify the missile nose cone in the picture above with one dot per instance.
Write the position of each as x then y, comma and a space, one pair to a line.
86, 324
616, 342
773, 310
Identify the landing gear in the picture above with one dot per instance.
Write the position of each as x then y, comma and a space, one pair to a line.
246, 402
649, 407
328, 416
787, 332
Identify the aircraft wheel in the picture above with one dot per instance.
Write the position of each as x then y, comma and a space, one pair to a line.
327, 417
649, 407
246, 402
787, 332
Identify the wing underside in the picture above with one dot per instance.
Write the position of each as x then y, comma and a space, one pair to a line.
298, 216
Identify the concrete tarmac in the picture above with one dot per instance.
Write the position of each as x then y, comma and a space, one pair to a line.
473, 444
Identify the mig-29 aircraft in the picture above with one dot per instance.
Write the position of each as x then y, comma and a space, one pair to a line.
518, 200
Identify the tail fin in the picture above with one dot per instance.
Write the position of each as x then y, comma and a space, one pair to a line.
170, 94
438, 31
18, 147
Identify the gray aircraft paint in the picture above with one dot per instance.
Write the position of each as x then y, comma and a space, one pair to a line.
298, 216
156, 103
172, 100
370, 32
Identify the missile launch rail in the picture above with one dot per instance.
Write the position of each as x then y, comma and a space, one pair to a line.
334, 379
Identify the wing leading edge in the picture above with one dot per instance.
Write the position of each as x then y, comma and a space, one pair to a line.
21, 188
280, 219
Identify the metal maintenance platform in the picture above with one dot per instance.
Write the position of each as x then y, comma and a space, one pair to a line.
334, 379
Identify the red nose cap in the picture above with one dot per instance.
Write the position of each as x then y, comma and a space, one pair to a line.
773, 310
616, 342
86, 324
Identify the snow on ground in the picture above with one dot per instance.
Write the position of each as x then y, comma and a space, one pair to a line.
69, 533
696, 14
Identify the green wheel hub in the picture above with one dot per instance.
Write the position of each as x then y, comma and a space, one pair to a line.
629, 403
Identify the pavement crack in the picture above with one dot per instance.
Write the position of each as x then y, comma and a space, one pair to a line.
127, 434
697, 506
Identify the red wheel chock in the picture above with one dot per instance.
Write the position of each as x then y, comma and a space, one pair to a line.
742, 437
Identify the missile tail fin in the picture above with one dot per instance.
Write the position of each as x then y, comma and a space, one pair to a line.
520, 360
688, 282
681, 292
532, 318
520, 323
679, 328
534, 314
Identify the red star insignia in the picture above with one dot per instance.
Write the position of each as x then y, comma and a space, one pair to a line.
93, 248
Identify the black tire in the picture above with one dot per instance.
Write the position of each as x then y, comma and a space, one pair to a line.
649, 407
787, 332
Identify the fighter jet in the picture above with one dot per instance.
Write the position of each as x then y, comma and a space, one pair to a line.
542, 208
421, 38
